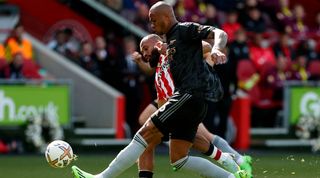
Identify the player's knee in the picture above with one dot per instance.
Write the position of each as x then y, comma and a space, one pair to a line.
150, 134
178, 164
142, 119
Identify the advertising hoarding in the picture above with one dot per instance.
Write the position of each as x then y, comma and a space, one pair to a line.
18, 102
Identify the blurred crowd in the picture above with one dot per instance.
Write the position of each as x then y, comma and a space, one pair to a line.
112, 64
269, 43
16, 57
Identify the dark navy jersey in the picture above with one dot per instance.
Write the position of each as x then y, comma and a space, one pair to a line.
189, 71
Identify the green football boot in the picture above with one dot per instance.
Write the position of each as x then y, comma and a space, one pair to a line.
241, 174
247, 165
78, 173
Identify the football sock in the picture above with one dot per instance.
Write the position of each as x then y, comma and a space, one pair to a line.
145, 174
210, 150
126, 158
224, 159
225, 147
201, 167
213, 152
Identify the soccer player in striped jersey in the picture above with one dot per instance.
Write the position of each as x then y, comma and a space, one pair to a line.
150, 61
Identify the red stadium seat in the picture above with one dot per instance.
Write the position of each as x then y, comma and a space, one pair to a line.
260, 96
314, 68
3, 63
30, 69
245, 69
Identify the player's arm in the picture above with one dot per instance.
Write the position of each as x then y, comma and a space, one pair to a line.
220, 41
206, 52
206, 48
200, 32
144, 66
220, 38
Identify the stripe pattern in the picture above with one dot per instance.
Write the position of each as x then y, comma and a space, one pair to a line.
176, 101
80, 174
139, 139
163, 79
180, 163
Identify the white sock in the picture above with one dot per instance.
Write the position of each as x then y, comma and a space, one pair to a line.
227, 161
223, 145
126, 158
223, 157
240, 160
201, 167
216, 154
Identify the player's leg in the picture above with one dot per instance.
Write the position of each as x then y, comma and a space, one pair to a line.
147, 112
180, 160
204, 145
147, 135
189, 110
146, 160
217, 141
146, 163
243, 161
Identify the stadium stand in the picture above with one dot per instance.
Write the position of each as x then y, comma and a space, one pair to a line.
313, 68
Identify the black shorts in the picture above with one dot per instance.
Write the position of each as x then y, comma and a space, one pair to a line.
180, 116
165, 137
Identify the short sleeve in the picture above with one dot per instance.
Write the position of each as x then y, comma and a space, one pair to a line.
194, 31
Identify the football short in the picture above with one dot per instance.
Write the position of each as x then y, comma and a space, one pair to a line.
165, 137
180, 116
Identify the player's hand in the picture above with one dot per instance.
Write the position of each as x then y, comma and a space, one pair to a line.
217, 56
136, 57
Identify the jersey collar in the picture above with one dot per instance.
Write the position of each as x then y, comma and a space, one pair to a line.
171, 29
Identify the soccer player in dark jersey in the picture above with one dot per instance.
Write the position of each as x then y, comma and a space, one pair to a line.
185, 109
164, 85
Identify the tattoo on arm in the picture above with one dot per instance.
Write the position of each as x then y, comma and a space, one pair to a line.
211, 34
220, 38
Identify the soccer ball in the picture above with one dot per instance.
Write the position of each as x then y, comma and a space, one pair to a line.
59, 154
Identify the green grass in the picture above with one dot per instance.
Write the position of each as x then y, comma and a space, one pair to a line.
265, 166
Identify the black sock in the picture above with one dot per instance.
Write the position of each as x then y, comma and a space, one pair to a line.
210, 150
145, 174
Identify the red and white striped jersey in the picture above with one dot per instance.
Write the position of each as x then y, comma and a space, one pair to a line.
163, 79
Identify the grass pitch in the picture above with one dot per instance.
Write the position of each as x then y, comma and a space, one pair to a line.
265, 166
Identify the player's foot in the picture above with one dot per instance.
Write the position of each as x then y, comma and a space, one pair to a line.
78, 173
241, 174
229, 163
247, 165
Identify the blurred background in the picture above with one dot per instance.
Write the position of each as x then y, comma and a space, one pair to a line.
66, 72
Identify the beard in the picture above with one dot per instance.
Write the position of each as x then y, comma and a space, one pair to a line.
154, 59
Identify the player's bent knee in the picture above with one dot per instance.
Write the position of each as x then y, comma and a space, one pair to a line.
142, 120
150, 133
